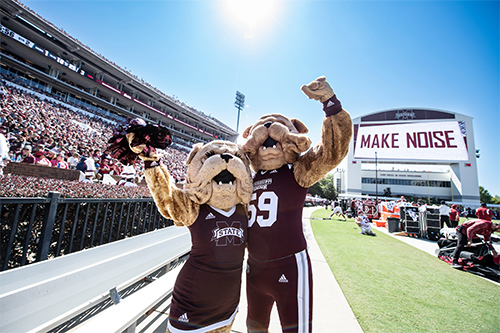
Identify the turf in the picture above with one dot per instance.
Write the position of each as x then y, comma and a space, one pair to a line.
393, 287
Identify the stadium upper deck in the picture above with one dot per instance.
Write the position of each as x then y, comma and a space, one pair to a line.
47, 58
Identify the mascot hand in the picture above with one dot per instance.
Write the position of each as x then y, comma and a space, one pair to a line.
138, 139
145, 152
318, 89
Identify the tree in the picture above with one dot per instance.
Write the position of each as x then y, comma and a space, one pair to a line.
315, 190
387, 192
496, 200
484, 195
329, 190
324, 188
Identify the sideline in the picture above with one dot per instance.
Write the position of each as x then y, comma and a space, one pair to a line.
331, 311
428, 246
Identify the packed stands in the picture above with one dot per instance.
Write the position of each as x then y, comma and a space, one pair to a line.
29, 119
62, 136
19, 186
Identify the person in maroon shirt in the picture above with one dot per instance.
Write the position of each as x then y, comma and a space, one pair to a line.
41, 159
27, 156
484, 213
468, 231
454, 216
104, 167
59, 162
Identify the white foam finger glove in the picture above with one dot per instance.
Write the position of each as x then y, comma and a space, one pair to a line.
318, 90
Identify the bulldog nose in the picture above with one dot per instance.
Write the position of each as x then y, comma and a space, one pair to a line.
226, 157
268, 124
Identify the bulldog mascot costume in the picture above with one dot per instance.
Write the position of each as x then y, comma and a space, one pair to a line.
212, 205
279, 268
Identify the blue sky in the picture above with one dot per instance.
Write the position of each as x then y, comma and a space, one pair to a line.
377, 55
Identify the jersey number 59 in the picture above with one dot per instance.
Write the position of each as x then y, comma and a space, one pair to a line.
267, 202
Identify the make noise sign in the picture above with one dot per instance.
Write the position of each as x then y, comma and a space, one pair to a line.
435, 141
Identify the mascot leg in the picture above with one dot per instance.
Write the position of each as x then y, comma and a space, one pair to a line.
260, 301
259, 312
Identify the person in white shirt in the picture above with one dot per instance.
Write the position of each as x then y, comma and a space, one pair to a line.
4, 152
423, 208
364, 224
338, 210
90, 164
73, 160
444, 215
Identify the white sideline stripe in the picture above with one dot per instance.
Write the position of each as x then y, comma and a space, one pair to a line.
302, 291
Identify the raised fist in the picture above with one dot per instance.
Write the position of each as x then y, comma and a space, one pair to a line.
138, 140
141, 148
318, 89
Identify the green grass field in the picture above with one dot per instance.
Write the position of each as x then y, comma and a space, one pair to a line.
393, 287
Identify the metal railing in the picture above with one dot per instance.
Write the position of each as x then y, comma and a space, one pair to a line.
36, 229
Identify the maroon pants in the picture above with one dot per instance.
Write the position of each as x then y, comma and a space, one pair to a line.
288, 282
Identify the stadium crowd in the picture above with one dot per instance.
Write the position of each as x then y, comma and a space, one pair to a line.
40, 131
21, 186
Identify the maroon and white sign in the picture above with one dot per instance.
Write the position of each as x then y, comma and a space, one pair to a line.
432, 141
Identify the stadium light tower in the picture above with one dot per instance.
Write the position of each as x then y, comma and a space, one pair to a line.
239, 104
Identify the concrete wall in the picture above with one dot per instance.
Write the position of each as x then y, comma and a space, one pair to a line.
42, 171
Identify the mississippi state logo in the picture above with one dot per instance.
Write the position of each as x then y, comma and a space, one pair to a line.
224, 234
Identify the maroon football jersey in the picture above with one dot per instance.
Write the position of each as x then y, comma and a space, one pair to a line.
219, 240
275, 215
207, 290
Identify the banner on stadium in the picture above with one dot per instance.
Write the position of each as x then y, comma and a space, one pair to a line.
430, 141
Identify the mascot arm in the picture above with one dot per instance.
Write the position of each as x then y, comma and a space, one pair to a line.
172, 202
330, 151
140, 140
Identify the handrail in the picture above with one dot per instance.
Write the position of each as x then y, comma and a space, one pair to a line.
36, 229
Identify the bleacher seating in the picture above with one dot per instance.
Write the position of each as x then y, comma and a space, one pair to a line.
41, 296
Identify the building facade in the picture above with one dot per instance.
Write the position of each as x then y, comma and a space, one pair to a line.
415, 152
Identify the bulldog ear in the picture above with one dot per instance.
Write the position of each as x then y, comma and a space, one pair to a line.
299, 126
194, 151
246, 132
244, 158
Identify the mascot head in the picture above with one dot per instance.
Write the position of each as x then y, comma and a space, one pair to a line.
218, 174
275, 140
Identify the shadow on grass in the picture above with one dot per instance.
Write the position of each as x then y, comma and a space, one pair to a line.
394, 287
